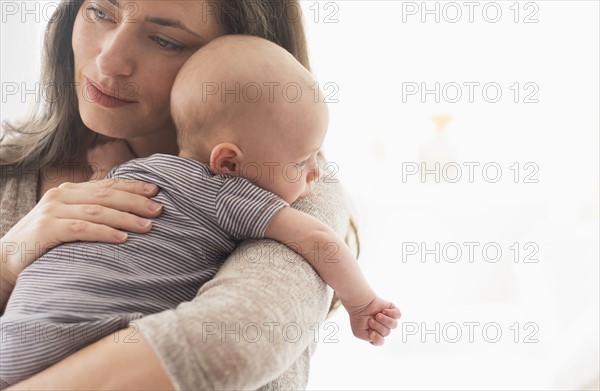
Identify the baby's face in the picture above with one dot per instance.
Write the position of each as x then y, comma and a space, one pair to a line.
287, 166
290, 178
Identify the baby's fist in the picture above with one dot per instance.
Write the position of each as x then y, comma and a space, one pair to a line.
374, 322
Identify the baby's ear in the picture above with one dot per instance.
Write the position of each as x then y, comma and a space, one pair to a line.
226, 158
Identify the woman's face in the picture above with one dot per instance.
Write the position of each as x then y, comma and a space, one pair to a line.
127, 54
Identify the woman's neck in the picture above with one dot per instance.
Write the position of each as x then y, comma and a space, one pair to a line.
147, 145
76, 172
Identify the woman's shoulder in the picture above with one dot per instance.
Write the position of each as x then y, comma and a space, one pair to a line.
18, 194
329, 201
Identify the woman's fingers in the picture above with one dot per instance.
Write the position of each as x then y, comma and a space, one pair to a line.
108, 208
121, 200
70, 230
105, 188
107, 216
97, 211
129, 185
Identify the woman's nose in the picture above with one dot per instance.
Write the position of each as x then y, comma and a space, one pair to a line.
117, 58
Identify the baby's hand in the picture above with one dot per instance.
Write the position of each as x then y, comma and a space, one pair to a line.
374, 322
105, 156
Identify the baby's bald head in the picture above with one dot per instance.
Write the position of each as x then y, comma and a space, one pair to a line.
240, 89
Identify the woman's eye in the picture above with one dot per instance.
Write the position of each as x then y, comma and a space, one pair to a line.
96, 13
163, 43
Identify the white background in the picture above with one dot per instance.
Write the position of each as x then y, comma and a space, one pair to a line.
369, 51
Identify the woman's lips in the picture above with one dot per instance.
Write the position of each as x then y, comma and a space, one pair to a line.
94, 93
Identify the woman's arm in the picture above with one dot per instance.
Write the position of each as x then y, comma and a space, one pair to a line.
256, 317
120, 361
246, 327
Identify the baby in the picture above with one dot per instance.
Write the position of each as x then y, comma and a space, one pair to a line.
249, 130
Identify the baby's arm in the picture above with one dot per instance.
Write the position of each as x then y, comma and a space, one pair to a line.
334, 262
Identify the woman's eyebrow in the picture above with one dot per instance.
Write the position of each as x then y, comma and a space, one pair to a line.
172, 23
163, 22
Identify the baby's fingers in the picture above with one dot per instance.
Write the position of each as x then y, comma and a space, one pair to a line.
387, 321
376, 338
392, 311
379, 328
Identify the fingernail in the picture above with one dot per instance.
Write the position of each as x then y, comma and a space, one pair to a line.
149, 188
121, 236
379, 316
154, 206
144, 223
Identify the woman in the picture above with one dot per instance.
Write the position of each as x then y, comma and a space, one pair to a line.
119, 59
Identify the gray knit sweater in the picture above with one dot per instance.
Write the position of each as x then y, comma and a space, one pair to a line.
253, 325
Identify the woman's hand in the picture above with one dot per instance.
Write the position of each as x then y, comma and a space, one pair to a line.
98, 211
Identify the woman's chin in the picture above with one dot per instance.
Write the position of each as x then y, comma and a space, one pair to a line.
112, 127
112, 130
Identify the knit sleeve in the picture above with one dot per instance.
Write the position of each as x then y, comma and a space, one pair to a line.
250, 326
18, 195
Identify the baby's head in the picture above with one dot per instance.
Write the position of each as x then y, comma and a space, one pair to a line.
246, 107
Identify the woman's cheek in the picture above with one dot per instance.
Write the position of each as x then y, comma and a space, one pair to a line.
84, 43
162, 86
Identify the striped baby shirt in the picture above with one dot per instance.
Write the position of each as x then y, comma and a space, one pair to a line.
80, 292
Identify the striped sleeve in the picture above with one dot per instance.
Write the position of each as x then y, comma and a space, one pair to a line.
244, 210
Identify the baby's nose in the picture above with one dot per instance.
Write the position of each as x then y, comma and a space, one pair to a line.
315, 173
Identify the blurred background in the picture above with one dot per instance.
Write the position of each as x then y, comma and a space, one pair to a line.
466, 135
